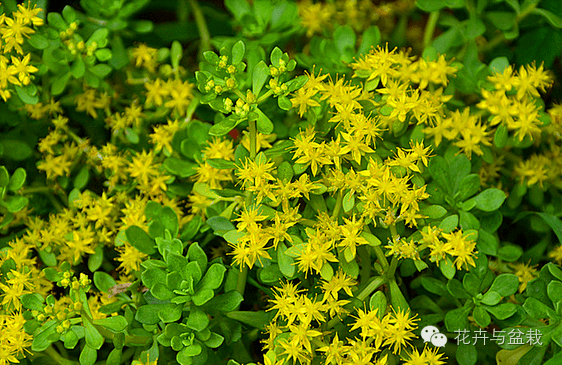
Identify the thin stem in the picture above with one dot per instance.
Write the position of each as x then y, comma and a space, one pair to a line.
202, 27
190, 111
241, 283
253, 139
430, 28
36, 189
389, 273
381, 257
264, 97
260, 287
499, 38
53, 354
365, 257
337, 208
371, 287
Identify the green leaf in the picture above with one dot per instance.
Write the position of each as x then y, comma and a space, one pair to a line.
213, 277
33, 301
197, 319
220, 225
481, 317
371, 37
56, 20
238, 51
114, 323
214, 341
38, 41
491, 298
502, 311
284, 103
221, 164
238, 8
457, 290
103, 54
276, 55
93, 338
179, 167
152, 276
227, 302
101, 70
468, 221
439, 169
449, 224
555, 291
447, 268
59, 83
95, 260
202, 296
344, 39
176, 53
466, 354
257, 319
88, 356
14, 203
285, 262
434, 286
78, 68
4, 177
348, 201
554, 222
27, 94
114, 357
264, 124
498, 65
259, 76
170, 312
224, 126
434, 211
457, 318
43, 339
15, 149
552, 18
538, 310
81, 179
140, 240
169, 220
196, 253
490, 199
510, 253
148, 314
468, 186
69, 14
505, 285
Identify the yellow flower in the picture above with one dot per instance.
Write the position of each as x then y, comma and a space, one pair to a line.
525, 273
145, 57
130, 258
155, 92
303, 98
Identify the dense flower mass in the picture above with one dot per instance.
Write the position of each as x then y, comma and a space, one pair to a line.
167, 199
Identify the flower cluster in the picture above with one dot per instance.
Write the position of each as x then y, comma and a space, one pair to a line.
15, 66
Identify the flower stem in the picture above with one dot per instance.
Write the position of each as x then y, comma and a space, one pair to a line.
371, 287
53, 354
430, 28
389, 273
241, 283
253, 139
202, 27
337, 208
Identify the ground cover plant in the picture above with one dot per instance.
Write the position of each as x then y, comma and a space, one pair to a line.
281, 182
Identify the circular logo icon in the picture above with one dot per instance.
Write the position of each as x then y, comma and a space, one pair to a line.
438, 340
427, 332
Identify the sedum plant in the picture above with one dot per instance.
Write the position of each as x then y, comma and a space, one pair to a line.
287, 193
